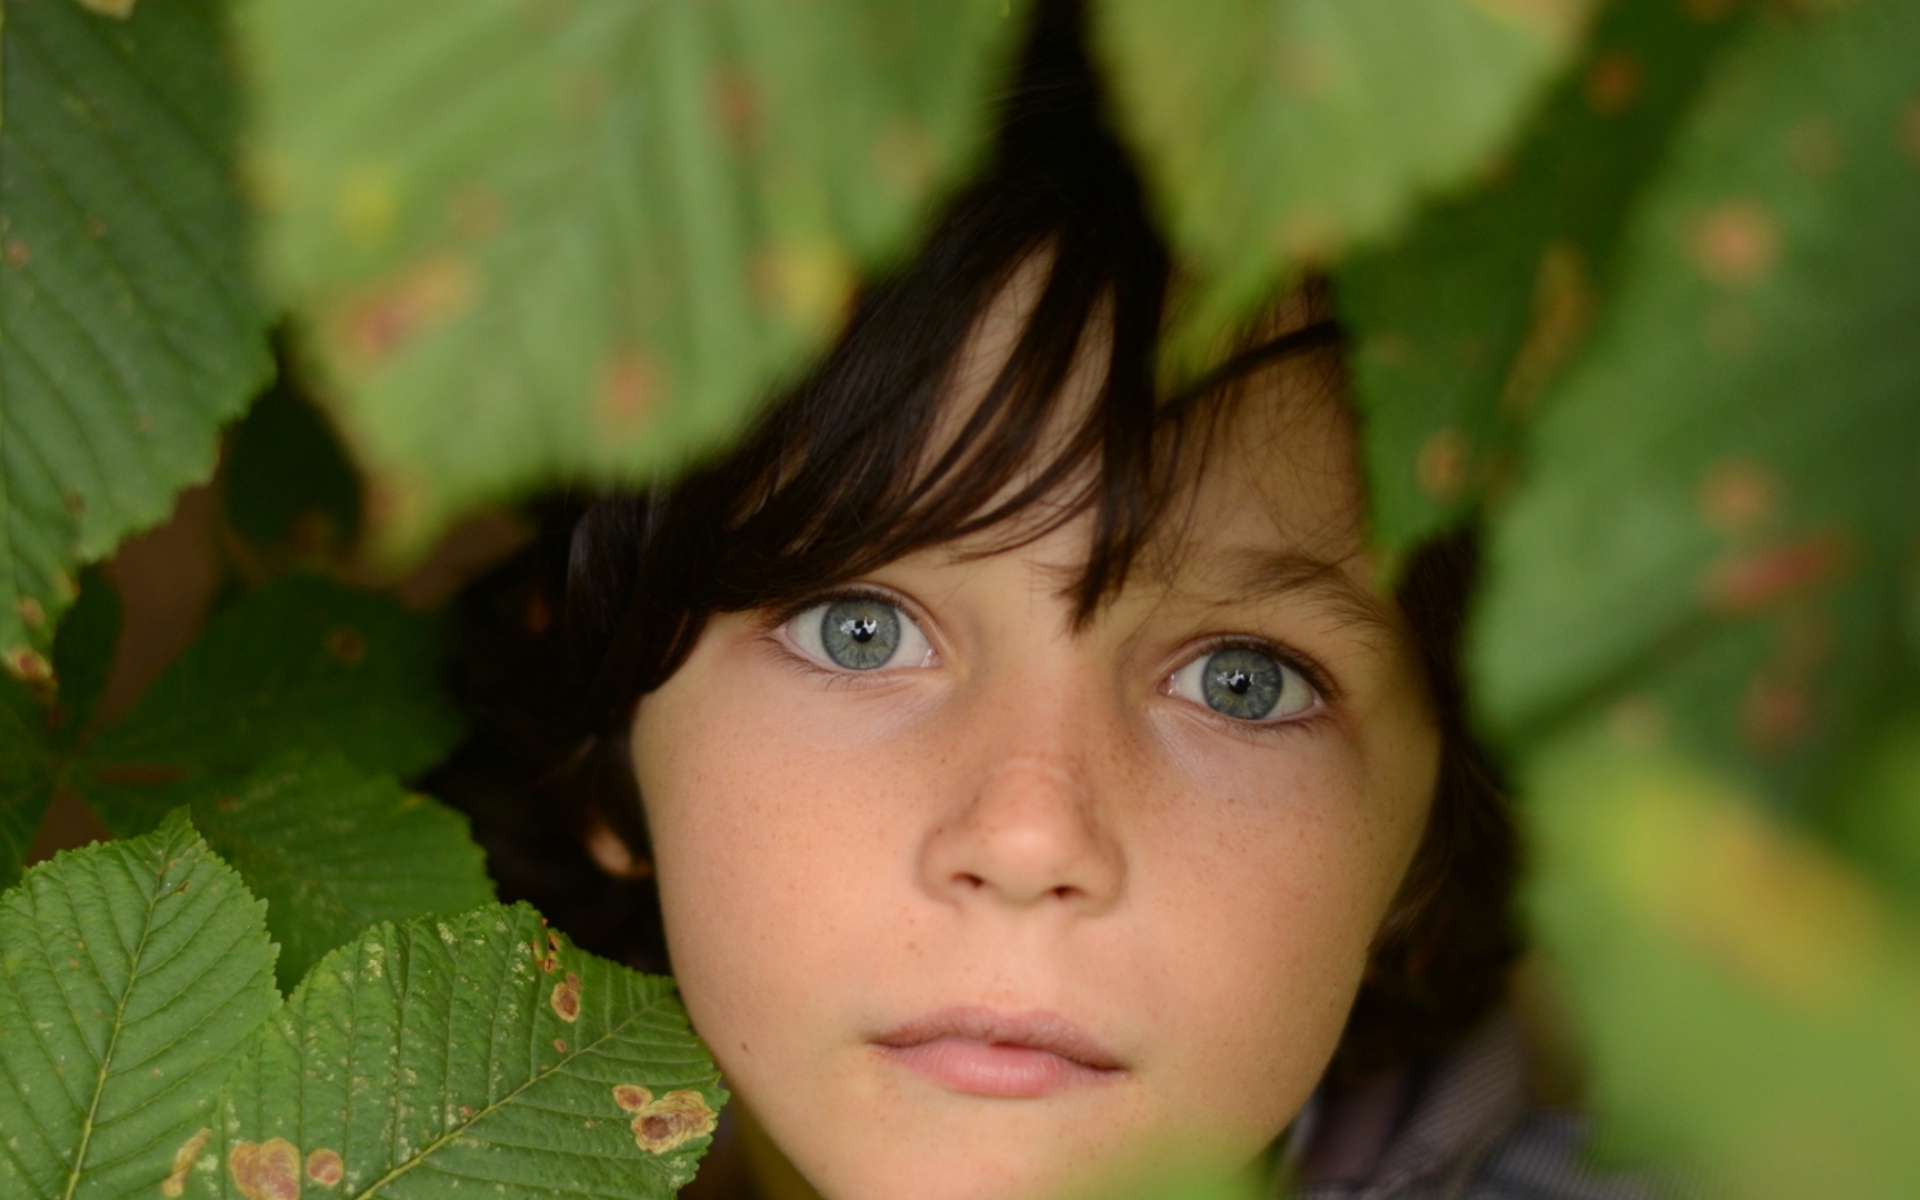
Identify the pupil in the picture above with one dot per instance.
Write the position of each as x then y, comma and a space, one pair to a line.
1239, 682
860, 631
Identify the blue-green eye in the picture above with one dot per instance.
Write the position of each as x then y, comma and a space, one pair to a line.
860, 633
1245, 684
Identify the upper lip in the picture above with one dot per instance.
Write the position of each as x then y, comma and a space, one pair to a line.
1034, 1030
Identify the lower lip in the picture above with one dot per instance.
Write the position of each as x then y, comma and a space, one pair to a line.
989, 1069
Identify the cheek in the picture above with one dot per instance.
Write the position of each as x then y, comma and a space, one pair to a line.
1269, 884
760, 855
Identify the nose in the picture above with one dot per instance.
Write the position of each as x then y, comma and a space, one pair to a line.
1027, 834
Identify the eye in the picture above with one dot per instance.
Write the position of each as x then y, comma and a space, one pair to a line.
860, 633
1244, 683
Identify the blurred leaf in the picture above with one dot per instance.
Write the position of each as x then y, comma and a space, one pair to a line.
333, 849
288, 487
502, 1059
140, 968
1284, 132
551, 241
128, 331
298, 665
1752, 1010
1720, 520
1461, 325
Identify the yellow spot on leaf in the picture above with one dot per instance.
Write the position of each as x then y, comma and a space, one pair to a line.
566, 998
667, 1123
325, 1168
1562, 311
175, 1183
1746, 896
268, 1170
806, 283
365, 204
1441, 467
1737, 244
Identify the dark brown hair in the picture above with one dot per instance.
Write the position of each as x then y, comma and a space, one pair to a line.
836, 479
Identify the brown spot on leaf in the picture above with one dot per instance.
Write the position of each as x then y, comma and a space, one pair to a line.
560, 1044
373, 326
566, 998
17, 252
1738, 496
268, 1170
31, 614
671, 1121
325, 1168
96, 228
631, 1096
1562, 312
347, 645
1441, 466
736, 103
29, 665
1744, 583
119, 10
1910, 131
175, 1183
1613, 83
1737, 244
477, 213
1775, 714
628, 392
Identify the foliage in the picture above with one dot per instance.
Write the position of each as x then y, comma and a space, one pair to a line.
131, 329
144, 971
1630, 287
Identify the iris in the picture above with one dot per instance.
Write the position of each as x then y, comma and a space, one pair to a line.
859, 633
1242, 682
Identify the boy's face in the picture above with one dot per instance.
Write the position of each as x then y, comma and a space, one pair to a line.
970, 903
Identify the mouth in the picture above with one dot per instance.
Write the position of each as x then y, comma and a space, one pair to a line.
982, 1052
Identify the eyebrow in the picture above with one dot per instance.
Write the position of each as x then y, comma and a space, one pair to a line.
1288, 574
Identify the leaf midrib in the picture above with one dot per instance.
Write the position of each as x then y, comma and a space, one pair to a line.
78, 1168
430, 1148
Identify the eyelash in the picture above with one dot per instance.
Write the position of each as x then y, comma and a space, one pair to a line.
1316, 676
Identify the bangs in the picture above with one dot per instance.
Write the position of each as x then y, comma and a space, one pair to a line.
892, 446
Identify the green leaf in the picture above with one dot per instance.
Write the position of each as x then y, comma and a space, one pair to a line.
38, 729
1720, 513
1463, 324
333, 849
477, 1052
128, 330
298, 665
1748, 1002
581, 240
287, 486
130, 974
1280, 133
